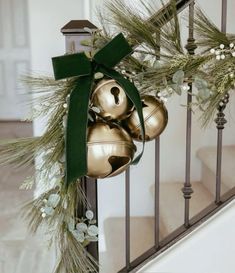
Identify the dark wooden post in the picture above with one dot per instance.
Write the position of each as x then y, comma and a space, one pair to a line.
74, 33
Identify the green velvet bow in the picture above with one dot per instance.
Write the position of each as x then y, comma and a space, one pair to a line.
78, 65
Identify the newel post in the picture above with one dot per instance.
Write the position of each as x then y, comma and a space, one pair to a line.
74, 33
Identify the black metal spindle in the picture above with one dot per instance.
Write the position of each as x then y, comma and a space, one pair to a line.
220, 120
224, 16
157, 193
157, 172
128, 250
187, 189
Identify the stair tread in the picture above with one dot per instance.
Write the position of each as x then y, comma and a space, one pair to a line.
172, 204
142, 228
208, 157
142, 238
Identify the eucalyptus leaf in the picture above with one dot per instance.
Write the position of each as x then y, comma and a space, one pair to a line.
49, 211
200, 83
204, 93
177, 89
81, 227
178, 77
88, 54
86, 43
91, 238
53, 200
71, 224
92, 230
89, 214
79, 236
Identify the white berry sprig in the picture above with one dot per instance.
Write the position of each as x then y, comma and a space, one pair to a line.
222, 51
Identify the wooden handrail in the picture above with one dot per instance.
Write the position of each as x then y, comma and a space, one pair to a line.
166, 13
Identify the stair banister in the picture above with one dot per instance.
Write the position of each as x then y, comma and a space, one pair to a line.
73, 35
220, 201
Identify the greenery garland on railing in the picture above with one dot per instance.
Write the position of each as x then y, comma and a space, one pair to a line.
168, 71
162, 73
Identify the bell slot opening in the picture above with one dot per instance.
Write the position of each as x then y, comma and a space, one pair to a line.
115, 91
118, 162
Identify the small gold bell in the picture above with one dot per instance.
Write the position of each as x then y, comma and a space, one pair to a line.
110, 150
112, 101
155, 119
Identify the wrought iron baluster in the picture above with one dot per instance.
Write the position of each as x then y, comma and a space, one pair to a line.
221, 120
157, 174
224, 15
187, 189
127, 231
157, 193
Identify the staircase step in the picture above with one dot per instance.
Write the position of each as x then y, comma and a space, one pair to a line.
208, 157
142, 228
172, 204
142, 238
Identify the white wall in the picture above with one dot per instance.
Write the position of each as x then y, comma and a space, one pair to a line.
209, 249
46, 19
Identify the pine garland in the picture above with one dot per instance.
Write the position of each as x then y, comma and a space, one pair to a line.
212, 75
159, 66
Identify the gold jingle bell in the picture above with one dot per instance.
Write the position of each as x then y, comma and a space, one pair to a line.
110, 150
112, 100
155, 119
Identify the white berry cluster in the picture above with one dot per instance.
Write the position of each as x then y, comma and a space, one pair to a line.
222, 51
127, 75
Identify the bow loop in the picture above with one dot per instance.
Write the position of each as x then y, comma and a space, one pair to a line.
73, 65
111, 54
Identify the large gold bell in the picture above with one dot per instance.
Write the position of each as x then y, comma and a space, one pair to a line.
110, 150
155, 119
112, 101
